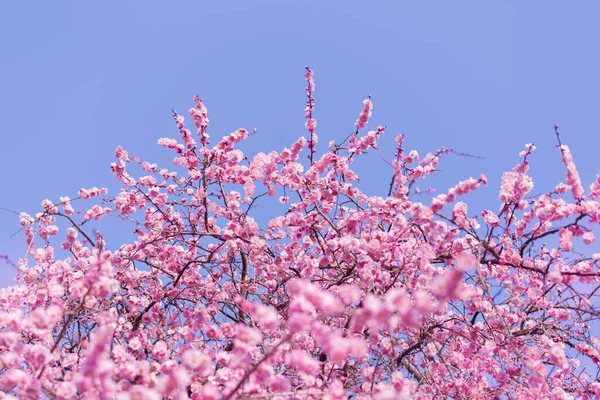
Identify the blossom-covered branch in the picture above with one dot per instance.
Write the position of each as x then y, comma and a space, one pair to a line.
342, 295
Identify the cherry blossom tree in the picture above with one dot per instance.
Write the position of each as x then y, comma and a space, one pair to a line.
342, 295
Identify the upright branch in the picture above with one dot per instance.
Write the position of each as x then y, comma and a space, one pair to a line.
311, 122
573, 179
365, 114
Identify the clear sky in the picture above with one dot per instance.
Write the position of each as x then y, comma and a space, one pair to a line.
79, 78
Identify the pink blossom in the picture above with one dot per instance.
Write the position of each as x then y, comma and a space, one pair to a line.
311, 124
267, 317
588, 237
210, 391
566, 239
447, 286
15, 377
175, 379
25, 219
556, 355
309, 77
279, 383
160, 350
298, 322
595, 188
302, 361
490, 218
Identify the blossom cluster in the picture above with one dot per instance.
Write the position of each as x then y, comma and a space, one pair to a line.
363, 118
342, 295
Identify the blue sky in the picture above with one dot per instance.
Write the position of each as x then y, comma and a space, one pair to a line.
79, 78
